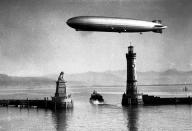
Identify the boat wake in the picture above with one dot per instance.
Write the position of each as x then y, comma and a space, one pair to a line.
96, 102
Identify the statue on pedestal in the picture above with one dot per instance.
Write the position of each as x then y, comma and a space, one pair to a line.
60, 78
61, 98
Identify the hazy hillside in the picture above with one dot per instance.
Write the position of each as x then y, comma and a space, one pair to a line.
109, 78
95, 78
12, 81
168, 77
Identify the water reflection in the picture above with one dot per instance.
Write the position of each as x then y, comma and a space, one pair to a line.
61, 118
131, 114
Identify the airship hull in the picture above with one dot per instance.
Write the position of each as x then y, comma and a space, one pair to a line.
109, 24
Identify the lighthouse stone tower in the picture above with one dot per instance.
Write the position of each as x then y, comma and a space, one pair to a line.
130, 96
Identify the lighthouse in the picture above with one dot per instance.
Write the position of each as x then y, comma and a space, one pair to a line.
130, 96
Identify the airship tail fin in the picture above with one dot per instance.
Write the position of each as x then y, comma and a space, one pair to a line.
157, 21
158, 31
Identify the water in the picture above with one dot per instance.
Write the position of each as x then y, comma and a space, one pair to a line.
87, 117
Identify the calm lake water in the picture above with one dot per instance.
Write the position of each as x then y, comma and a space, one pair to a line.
87, 117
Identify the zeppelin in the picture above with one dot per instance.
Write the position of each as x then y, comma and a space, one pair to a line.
112, 24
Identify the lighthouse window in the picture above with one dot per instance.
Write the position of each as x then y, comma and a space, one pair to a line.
131, 49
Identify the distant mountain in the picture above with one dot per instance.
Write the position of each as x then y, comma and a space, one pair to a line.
108, 78
171, 76
3, 76
97, 78
13, 81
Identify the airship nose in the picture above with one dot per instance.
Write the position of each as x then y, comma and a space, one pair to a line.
73, 22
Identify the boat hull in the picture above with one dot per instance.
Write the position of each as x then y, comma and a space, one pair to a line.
96, 102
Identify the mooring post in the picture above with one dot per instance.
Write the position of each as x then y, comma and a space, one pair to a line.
55, 106
7, 103
45, 102
27, 102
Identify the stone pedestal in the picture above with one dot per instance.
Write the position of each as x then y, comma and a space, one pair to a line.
129, 100
60, 89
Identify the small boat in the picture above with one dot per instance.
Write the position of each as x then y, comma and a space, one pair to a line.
96, 98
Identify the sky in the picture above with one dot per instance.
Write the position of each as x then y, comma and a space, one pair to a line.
35, 39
